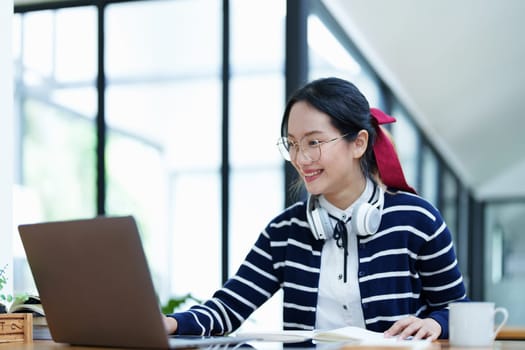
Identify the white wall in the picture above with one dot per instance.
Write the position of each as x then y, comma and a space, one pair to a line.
6, 138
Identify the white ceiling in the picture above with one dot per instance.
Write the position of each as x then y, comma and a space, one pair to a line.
458, 67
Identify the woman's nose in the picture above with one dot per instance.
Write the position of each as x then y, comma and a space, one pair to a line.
302, 158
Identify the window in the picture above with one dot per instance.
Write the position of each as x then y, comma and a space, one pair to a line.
329, 57
429, 175
55, 101
407, 144
505, 257
163, 142
164, 103
449, 205
163, 114
256, 106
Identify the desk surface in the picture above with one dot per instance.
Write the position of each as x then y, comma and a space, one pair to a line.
439, 345
512, 333
508, 339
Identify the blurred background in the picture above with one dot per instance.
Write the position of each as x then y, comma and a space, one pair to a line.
169, 110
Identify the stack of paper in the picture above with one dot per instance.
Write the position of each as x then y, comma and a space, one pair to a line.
347, 334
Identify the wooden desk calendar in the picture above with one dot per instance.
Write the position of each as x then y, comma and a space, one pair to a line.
16, 328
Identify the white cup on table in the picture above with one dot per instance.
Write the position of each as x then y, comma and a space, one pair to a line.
473, 323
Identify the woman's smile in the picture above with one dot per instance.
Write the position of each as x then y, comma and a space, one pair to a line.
311, 175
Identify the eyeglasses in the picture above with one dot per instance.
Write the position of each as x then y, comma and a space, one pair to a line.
309, 146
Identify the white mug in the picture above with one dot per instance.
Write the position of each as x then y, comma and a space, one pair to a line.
472, 323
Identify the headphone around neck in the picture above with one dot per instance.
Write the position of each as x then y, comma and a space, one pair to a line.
365, 220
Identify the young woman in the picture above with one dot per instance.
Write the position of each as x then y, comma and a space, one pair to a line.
362, 250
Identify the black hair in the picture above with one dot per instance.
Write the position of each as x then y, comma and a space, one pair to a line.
347, 108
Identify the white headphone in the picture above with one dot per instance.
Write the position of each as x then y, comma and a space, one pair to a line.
365, 221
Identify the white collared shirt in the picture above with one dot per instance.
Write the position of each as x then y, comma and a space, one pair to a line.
339, 303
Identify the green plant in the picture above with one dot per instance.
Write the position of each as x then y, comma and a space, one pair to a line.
3, 298
3, 281
173, 303
8, 298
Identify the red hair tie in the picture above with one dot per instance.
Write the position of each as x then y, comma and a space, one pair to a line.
388, 164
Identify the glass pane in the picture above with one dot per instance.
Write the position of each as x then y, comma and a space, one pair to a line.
505, 258
147, 151
172, 118
407, 143
56, 177
137, 186
81, 100
256, 107
163, 111
328, 57
256, 198
59, 162
76, 47
257, 204
195, 238
326, 53
254, 130
257, 36
17, 42
163, 38
450, 208
461, 231
255, 160
37, 41
429, 175
58, 173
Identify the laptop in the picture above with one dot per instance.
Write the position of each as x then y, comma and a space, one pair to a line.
95, 285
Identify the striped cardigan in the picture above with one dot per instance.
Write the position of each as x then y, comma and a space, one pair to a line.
408, 267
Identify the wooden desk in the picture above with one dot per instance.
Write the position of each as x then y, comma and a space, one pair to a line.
511, 333
44, 345
498, 344
439, 345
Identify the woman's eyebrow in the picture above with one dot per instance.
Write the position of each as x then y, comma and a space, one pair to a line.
309, 133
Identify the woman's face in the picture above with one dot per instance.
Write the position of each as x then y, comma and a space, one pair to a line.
336, 174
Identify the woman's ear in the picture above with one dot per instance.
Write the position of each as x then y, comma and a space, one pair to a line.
360, 143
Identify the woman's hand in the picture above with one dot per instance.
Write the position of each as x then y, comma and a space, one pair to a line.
426, 328
170, 324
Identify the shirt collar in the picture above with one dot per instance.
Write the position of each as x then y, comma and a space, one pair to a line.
366, 196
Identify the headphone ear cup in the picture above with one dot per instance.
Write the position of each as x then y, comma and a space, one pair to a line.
324, 222
318, 219
365, 219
